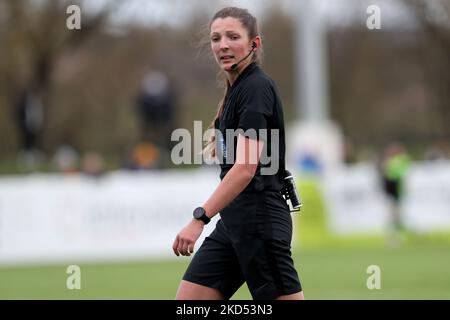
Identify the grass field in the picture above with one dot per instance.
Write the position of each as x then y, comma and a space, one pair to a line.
410, 272
330, 267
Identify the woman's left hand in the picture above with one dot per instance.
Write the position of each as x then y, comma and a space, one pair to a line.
186, 238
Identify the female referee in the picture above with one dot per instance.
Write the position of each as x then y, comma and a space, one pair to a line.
252, 241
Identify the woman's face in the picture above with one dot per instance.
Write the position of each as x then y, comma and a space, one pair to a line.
229, 42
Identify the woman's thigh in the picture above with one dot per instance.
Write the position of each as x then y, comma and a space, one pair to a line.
192, 291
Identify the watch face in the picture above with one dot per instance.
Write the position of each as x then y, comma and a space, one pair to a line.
198, 213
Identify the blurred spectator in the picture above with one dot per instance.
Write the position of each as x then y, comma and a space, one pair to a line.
145, 155
66, 159
349, 151
155, 108
30, 118
440, 150
394, 167
310, 164
92, 164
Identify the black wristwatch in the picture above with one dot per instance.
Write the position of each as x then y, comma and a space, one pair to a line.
200, 214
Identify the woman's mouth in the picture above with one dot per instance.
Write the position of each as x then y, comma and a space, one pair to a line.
225, 58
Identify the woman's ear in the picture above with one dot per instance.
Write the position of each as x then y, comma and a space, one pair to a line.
256, 43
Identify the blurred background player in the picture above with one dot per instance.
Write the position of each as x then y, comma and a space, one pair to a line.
394, 167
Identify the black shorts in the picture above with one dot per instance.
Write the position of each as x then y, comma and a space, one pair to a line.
251, 243
392, 188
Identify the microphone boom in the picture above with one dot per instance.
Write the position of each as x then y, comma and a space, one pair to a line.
234, 66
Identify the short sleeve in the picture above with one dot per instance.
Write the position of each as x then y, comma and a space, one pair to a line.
255, 107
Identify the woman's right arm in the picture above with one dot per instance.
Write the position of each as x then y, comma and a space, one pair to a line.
248, 153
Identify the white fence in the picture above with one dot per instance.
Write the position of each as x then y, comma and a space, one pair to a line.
46, 218
356, 203
121, 216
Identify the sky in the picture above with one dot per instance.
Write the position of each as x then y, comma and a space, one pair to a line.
176, 13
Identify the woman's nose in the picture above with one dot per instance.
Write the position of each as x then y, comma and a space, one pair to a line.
224, 44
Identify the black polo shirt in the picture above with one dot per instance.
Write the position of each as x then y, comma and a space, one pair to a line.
253, 102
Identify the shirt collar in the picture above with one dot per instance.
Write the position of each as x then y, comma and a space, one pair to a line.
248, 69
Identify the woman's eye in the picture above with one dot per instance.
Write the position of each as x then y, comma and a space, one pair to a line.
214, 39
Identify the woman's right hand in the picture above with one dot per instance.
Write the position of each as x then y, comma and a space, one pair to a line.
186, 238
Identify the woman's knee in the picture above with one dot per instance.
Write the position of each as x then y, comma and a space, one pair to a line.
192, 291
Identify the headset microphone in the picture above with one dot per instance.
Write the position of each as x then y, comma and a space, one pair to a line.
234, 66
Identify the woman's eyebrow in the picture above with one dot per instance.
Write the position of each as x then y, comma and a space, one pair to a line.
227, 32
